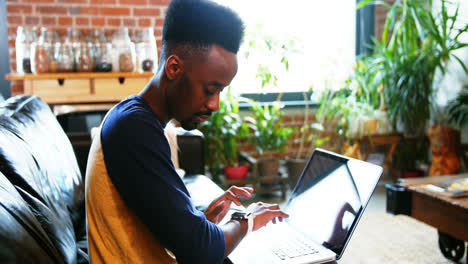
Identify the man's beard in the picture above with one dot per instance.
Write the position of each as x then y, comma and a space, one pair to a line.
193, 122
189, 124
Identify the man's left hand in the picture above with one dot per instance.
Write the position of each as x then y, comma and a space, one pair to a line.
218, 209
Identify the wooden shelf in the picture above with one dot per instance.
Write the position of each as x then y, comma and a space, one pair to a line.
78, 88
77, 75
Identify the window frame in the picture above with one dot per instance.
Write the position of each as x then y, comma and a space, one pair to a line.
365, 26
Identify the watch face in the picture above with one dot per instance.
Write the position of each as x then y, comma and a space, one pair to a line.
239, 216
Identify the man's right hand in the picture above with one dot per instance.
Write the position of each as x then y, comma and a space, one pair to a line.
263, 213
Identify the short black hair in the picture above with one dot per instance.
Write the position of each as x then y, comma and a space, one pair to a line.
200, 24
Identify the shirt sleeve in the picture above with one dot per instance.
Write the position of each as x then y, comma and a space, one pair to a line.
137, 157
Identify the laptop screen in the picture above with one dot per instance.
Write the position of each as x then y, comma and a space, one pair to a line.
330, 197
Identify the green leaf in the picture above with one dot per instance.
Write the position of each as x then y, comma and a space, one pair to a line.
461, 63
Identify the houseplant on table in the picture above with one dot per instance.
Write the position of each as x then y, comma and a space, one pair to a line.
353, 110
268, 135
222, 132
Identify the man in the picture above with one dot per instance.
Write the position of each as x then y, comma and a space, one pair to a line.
138, 208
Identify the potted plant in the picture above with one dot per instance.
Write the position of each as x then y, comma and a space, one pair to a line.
309, 138
222, 132
444, 135
415, 43
348, 111
268, 135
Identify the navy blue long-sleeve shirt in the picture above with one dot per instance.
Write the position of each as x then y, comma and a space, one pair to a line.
138, 160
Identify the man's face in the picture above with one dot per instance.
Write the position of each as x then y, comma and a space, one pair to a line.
196, 93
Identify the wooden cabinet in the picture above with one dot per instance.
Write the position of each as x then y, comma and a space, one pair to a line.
68, 88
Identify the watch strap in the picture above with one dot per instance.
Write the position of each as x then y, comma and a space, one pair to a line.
250, 223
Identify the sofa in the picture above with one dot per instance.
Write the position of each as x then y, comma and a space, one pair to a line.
42, 199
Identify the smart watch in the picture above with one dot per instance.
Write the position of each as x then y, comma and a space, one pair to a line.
244, 216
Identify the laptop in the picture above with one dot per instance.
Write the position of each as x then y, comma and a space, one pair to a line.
324, 209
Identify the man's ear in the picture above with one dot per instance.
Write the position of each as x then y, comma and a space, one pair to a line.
174, 67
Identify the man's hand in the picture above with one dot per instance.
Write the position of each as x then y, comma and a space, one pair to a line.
263, 213
218, 209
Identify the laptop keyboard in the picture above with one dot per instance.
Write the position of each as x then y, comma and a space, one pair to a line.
293, 247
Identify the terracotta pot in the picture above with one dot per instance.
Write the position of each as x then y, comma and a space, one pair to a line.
268, 166
295, 168
444, 142
236, 173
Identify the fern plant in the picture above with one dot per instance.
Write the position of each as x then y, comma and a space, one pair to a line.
458, 109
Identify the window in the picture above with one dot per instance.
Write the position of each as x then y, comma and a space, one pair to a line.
293, 45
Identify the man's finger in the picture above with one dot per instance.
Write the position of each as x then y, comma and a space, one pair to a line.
278, 213
241, 191
232, 197
272, 206
217, 201
219, 208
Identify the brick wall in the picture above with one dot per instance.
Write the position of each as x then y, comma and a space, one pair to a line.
84, 15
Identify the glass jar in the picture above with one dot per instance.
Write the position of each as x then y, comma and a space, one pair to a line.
95, 39
76, 39
54, 51
84, 62
43, 52
66, 57
104, 60
146, 51
123, 59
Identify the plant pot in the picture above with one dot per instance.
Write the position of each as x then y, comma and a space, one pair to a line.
236, 173
295, 168
370, 126
268, 166
444, 142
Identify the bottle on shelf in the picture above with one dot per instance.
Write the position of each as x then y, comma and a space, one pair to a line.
66, 57
85, 62
123, 59
146, 51
102, 51
76, 39
43, 52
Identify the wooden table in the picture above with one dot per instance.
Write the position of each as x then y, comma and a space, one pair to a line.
378, 140
448, 215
